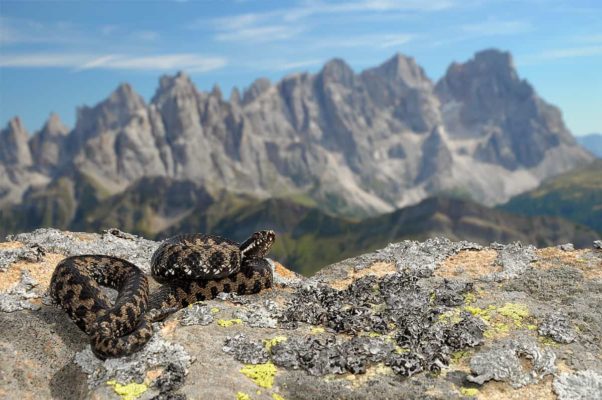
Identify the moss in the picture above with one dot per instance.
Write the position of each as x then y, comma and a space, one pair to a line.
261, 374
228, 322
470, 392
268, 343
131, 391
242, 396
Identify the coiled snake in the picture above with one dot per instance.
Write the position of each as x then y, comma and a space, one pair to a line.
190, 268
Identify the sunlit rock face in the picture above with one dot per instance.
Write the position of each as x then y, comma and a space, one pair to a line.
355, 143
444, 317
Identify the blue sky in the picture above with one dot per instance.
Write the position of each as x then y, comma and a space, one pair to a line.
56, 56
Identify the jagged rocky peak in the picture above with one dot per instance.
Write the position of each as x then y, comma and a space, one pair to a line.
216, 92
403, 69
178, 85
489, 75
46, 144
54, 126
235, 96
257, 88
337, 70
111, 114
485, 99
14, 149
125, 96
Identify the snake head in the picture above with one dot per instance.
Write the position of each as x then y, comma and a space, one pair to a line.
258, 245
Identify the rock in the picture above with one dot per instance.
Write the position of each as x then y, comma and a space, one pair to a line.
410, 319
371, 142
567, 247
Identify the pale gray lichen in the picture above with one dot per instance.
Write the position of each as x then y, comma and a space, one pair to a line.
514, 259
197, 314
28, 252
232, 297
244, 350
157, 353
418, 257
558, 327
580, 385
17, 297
259, 316
502, 362
112, 243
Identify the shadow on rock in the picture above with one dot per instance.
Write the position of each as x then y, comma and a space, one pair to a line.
68, 383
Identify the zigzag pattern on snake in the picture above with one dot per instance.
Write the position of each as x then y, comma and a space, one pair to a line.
191, 268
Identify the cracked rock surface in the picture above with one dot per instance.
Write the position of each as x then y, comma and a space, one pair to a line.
415, 320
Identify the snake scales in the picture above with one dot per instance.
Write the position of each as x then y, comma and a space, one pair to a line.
190, 268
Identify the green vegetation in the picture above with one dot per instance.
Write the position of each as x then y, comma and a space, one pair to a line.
308, 237
576, 196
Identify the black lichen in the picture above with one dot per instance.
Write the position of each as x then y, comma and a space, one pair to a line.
557, 327
392, 319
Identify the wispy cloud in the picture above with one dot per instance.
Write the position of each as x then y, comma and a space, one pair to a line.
313, 8
163, 62
497, 27
281, 24
383, 41
259, 34
300, 64
14, 31
562, 53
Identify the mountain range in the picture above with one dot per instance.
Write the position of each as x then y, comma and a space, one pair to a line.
364, 143
338, 147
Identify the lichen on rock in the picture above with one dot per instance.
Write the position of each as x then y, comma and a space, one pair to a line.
157, 353
405, 320
503, 362
17, 298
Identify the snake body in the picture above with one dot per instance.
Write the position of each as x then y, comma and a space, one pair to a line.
190, 268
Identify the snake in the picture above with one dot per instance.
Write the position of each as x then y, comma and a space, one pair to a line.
189, 268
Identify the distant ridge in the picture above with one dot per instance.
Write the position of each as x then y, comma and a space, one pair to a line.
592, 142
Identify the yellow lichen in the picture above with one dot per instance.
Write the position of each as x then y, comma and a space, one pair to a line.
228, 322
131, 391
532, 327
214, 310
374, 334
516, 312
261, 374
457, 356
276, 396
470, 392
268, 343
317, 329
470, 298
242, 396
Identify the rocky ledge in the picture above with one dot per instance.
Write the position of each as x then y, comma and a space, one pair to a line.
430, 320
